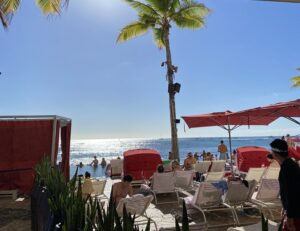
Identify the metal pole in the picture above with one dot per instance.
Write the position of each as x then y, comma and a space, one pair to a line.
53, 141
230, 148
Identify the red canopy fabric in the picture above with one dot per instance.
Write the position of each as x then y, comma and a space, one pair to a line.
141, 163
22, 145
283, 109
225, 118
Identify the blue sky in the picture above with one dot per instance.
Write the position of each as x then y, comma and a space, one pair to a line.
70, 65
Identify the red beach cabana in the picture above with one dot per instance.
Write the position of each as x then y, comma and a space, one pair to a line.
251, 157
141, 163
24, 141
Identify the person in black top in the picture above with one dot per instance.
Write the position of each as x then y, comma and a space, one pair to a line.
289, 181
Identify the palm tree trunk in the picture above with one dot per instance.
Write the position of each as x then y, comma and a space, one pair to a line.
170, 72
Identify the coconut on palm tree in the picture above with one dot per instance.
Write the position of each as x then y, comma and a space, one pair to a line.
9, 7
296, 80
159, 16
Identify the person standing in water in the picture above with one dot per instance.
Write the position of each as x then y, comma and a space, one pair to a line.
103, 162
95, 162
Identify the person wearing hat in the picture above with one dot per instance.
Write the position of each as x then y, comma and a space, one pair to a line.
189, 162
289, 182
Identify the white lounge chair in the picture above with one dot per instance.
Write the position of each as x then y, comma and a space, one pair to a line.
208, 198
98, 192
116, 167
214, 176
271, 173
218, 166
267, 197
239, 196
137, 205
202, 166
255, 174
184, 180
163, 183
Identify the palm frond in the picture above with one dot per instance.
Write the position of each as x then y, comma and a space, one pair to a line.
188, 22
174, 5
298, 69
162, 6
52, 6
149, 19
7, 10
3, 19
158, 35
10, 6
142, 8
195, 10
132, 30
296, 81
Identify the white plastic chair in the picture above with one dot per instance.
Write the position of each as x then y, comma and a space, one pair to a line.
239, 196
271, 173
163, 183
202, 166
98, 192
214, 176
184, 179
267, 197
136, 205
218, 166
208, 198
116, 167
255, 174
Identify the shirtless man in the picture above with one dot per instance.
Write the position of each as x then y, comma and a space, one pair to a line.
222, 149
189, 162
95, 162
122, 189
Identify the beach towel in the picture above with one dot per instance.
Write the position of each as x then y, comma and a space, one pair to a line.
222, 184
134, 204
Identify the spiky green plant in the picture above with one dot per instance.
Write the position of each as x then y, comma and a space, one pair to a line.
9, 7
159, 16
185, 219
73, 211
264, 223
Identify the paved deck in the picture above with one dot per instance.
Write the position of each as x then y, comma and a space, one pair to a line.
15, 216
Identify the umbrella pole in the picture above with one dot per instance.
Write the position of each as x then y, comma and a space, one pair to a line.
230, 148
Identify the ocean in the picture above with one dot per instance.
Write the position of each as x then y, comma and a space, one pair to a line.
84, 150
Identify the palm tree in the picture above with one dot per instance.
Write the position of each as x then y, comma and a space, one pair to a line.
158, 16
9, 7
296, 80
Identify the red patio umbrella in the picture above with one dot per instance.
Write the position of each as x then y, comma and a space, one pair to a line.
227, 120
286, 110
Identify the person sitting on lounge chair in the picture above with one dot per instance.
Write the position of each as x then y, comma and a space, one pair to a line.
145, 189
87, 186
189, 162
176, 166
122, 189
